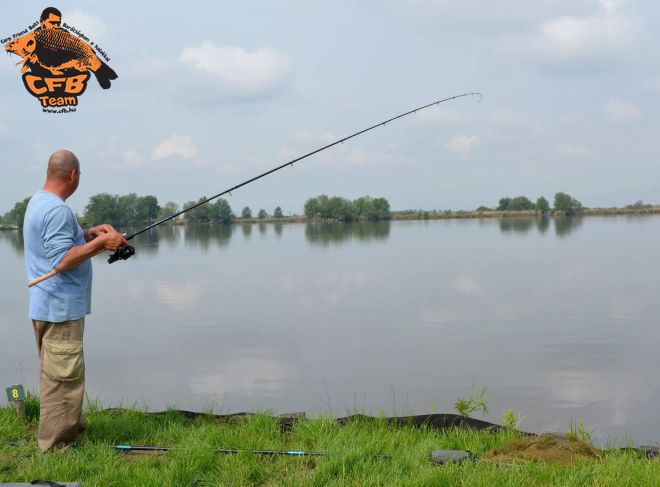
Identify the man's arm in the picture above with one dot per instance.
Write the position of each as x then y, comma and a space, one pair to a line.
80, 253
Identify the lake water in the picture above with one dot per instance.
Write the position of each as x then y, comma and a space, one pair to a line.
557, 318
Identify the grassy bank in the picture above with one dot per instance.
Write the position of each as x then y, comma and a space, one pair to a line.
354, 455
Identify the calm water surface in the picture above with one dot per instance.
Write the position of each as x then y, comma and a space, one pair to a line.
558, 319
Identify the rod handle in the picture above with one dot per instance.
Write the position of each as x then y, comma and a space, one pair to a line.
42, 278
54, 272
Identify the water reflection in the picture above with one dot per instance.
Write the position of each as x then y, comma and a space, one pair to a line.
169, 233
564, 225
516, 225
202, 235
337, 233
148, 242
15, 239
247, 229
543, 223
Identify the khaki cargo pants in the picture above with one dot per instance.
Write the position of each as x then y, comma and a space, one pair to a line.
62, 383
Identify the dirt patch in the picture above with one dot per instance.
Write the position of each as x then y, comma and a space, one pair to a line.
559, 448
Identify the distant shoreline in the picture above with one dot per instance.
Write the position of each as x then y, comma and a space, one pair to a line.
445, 215
422, 215
435, 215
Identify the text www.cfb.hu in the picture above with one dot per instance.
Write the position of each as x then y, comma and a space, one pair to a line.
61, 110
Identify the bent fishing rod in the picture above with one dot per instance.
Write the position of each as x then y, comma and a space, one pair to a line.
127, 251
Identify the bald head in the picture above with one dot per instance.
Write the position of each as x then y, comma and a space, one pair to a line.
61, 163
63, 173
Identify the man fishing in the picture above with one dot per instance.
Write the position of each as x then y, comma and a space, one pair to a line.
55, 241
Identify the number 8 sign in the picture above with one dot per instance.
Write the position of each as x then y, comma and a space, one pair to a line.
15, 393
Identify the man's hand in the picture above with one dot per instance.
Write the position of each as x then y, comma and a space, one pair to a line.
92, 233
108, 240
112, 240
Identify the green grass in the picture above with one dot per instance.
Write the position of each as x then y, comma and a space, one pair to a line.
354, 455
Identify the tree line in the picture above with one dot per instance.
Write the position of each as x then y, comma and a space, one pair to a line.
337, 208
131, 209
562, 202
219, 211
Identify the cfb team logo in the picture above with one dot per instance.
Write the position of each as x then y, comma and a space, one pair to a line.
56, 63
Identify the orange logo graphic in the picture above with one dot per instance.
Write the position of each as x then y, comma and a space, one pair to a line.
56, 63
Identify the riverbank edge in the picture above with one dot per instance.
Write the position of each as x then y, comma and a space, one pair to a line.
431, 215
446, 215
362, 451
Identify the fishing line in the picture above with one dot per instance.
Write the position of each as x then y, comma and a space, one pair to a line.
122, 254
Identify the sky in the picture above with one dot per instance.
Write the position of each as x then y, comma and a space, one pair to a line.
212, 93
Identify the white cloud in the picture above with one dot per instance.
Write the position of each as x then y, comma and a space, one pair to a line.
343, 156
88, 24
505, 117
301, 134
250, 73
573, 150
117, 156
556, 35
176, 146
462, 144
328, 137
3, 129
653, 84
441, 116
358, 157
132, 157
40, 152
571, 118
144, 69
481, 18
585, 41
618, 111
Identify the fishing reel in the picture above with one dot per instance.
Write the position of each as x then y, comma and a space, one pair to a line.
122, 253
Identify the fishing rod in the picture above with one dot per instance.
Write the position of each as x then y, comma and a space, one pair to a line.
155, 449
290, 453
127, 251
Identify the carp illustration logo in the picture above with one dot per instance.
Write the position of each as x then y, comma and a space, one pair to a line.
56, 63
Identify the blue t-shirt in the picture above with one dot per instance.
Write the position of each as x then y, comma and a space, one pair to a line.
50, 229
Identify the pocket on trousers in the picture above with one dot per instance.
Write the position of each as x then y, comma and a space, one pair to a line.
62, 360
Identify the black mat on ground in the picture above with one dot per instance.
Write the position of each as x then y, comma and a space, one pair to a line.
434, 421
